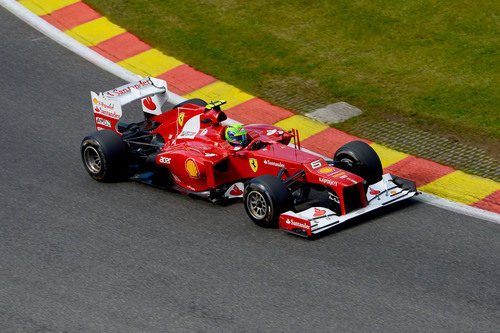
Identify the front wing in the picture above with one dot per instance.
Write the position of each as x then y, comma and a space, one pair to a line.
315, 220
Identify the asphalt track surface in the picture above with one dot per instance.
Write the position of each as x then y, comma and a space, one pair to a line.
78, 255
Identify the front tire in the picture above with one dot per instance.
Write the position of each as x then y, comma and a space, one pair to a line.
104, 156
265, 198
360, 159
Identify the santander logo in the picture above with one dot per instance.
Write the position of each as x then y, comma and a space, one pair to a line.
374, 192
298, 224
149, 104
318, 212
236, 191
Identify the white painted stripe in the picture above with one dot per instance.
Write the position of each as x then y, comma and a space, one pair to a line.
106, 64
458, 207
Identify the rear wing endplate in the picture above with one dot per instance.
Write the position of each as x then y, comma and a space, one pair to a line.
107, 106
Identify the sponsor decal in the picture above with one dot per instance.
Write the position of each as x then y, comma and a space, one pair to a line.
253, 164
149, 104
236, 191
328, 181
316, 164
192, 168
276, 164
190, 187
346, 177
123, 90
180, 120
106, 106
334, 197
165, 160
107, 113
325, 170
340, 174
102, 122
271, 132
188, 134
191, 127
318, 212
374, 192
204, 132
298, 224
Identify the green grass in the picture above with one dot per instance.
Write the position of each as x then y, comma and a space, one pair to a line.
429, 63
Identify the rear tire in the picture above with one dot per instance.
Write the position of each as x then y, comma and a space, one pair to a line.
360, 159
195, 101
104, 156
265, 198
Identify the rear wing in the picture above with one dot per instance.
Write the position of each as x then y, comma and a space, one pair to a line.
107, 106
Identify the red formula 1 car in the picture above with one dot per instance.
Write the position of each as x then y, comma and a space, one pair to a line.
185, 149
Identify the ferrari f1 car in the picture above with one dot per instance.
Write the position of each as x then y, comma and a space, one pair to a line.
185, 149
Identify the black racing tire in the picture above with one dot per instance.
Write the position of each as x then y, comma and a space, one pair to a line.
195, 101
104, 156
359, 158
265, 198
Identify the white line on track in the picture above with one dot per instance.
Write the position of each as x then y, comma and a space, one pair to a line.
106, 64
458, 207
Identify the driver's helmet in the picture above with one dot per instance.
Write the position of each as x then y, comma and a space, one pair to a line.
236, 135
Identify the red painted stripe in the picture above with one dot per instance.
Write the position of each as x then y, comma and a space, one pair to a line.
71, 16
420, 170
490, 203
258, 111
328, 141
121, 47
184, 79
54, 22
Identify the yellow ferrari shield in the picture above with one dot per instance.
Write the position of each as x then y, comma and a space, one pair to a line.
253, 164
181, 119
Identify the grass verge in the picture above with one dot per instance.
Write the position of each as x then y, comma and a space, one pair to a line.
433, 64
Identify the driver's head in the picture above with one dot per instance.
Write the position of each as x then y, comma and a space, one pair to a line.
236, 135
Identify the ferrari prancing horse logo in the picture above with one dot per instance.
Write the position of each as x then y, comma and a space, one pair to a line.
181, 119
253, 164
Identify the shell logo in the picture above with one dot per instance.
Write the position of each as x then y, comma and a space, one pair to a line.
191, 168
325, 170
95, 100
